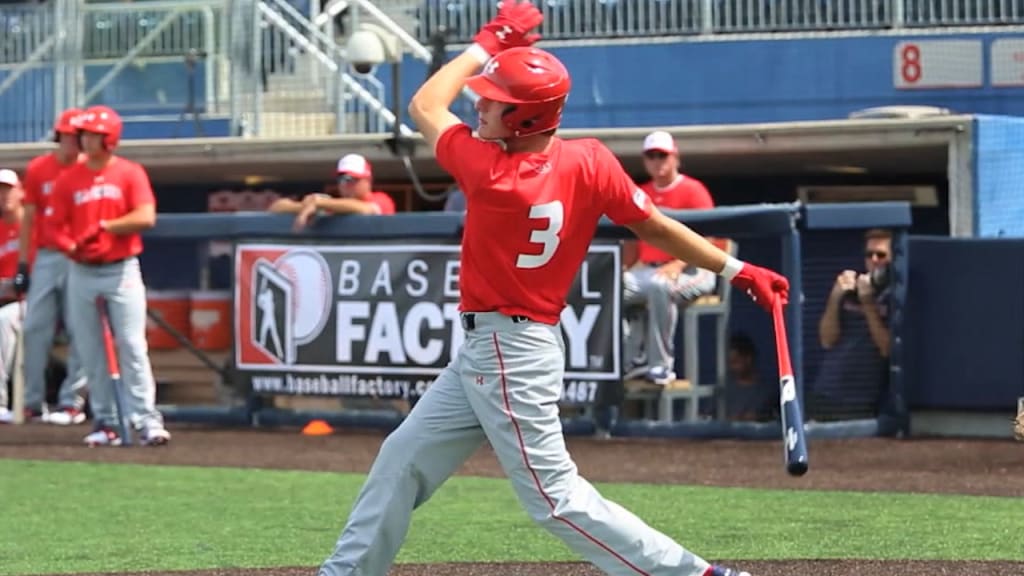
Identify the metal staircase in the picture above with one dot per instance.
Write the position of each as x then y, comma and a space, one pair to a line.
302, 87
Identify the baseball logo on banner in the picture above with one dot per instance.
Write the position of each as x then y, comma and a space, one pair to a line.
382, 320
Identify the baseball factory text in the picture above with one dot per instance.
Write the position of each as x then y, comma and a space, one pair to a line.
381, 320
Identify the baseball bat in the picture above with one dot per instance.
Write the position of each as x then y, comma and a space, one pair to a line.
114, 370
793, 441
18, 382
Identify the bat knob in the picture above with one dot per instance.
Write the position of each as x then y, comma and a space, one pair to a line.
798, 468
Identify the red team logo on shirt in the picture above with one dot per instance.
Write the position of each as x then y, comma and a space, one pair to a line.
282, 300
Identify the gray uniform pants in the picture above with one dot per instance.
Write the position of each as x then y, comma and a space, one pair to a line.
10, 325
504, 388
45, 304
652, 311
121, 284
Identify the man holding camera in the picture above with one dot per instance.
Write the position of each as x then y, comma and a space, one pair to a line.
854, 331
859, 302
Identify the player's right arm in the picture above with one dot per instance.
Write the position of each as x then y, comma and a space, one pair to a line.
32, 190
512, 26
285, 206
140, 202
60, 201
25, 234
429, 107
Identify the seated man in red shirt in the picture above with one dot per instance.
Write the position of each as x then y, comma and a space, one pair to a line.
657, 283
355, 195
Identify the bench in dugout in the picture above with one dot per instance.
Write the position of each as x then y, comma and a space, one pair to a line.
659, 401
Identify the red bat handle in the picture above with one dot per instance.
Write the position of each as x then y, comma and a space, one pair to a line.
108, 339
781, 340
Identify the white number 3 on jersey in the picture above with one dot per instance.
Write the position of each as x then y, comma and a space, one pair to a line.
547, 237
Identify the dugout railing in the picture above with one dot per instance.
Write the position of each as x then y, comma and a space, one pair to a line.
770, 234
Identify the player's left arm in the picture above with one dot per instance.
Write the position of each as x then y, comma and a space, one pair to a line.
697, 198
628, 205
141, 203
345, 206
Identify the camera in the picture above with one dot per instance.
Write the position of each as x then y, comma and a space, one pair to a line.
879, 282
370, 46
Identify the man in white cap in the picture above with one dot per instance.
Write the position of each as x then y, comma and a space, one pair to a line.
11, 316
355, 195
656, 285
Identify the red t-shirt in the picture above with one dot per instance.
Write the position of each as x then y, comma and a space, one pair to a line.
531, 218
83, 197
684, 194
385, 205
40, 176
9, 232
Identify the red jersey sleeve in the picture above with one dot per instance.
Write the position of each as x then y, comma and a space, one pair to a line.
467, 158
33, 182
623, 201
385, 205
140, 191
698, 196
60, 204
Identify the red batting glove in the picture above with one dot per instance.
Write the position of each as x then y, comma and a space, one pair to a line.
511, 27
763, 285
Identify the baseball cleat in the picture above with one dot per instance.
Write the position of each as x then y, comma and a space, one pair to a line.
102, 436
66, 417
156, 437
723, 571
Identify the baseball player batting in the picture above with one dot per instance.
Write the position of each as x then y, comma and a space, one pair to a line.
101, 205
534, 202
42, 279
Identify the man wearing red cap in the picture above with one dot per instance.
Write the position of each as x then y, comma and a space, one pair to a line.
103, 204
41, 260
355, 195
658, 283
534, 201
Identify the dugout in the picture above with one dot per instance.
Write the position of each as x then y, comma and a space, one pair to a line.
926, 162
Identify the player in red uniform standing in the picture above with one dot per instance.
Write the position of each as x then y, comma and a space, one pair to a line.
43, 262
102, 204
534, 202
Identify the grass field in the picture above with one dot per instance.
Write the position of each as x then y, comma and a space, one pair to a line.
131, 517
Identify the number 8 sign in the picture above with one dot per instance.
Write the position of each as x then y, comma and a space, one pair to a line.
937, 64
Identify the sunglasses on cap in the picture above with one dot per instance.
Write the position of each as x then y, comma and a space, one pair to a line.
655, 155
880, 254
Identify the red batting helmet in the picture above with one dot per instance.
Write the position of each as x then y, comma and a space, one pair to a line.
65, 124
533, 81
101, 120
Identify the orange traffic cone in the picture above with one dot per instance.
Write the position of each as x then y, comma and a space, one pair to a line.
317, 428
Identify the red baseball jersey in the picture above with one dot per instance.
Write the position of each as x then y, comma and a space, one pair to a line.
531, 218
40, 176
9, 247
684, 194
83, 197
385, 205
